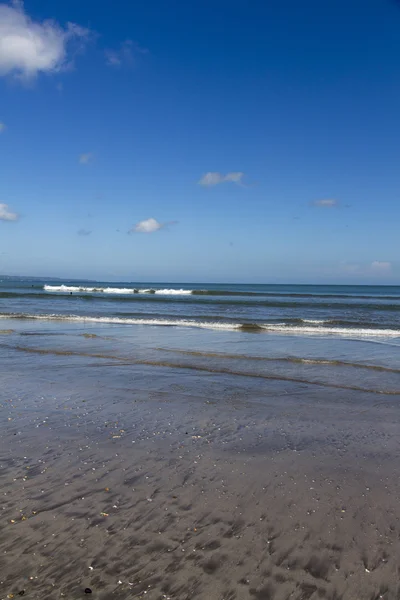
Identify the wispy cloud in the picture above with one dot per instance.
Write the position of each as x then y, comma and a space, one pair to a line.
125, 54
86, 158
213, 178
29, 47
379, 266
150, 226
2, 127
6, 214
84, 232
326, 203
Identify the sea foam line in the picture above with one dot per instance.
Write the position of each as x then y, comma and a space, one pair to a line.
341, 331
271, 328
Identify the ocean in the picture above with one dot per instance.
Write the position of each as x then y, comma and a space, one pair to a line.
372, 311
346, 337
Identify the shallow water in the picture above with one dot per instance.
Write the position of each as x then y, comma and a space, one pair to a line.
327, 362
167, 462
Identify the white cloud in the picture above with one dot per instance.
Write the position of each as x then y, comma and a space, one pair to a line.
124, 55
147, 226
150, 226
29, 47
381, 266
214, 178
2, 127
86, 158
6, 214
326, 203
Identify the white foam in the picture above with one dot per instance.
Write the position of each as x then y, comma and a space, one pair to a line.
110, 290
272, 328
314, 321
174, 292
340, 331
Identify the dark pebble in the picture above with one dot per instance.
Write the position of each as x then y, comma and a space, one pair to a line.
88, 591
21, 593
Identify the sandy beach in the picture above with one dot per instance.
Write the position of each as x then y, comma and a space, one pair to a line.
140, 481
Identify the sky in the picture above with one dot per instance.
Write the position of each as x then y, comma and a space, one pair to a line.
208, 141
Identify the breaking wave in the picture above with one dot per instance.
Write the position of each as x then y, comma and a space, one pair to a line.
71, 289
308, 328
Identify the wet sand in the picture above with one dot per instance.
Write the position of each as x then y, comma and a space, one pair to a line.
142, 482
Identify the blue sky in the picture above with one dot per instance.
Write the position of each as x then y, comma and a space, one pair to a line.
234, 141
